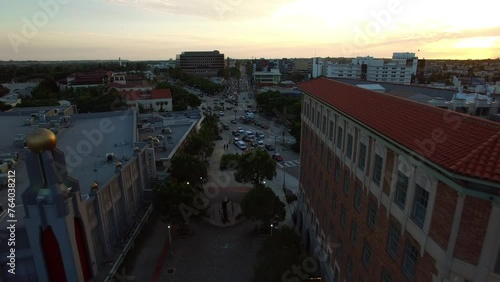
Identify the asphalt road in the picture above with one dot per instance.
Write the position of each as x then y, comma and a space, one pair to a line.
276, 135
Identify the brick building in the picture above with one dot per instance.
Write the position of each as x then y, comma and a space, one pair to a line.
201, 63
396, 190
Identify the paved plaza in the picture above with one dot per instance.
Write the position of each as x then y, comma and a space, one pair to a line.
213, 250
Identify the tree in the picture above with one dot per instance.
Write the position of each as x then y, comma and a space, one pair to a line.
254, 167
188, 168
193, 101
261, 204
198, 145
169, 197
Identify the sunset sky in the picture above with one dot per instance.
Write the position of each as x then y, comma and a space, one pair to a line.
160, 29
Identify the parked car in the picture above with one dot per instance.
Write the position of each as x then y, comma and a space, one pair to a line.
277, 157
235, 133
247, 139
234, 121
225, 126
264, 126
236, 140
240, 130
269, 147
221, 113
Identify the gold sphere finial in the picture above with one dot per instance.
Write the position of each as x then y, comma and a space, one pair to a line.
40, 140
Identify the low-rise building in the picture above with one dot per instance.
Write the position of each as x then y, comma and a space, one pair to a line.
151, 100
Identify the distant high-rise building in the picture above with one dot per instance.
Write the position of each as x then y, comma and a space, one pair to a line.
202, 63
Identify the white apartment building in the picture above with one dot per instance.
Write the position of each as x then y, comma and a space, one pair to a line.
371, 69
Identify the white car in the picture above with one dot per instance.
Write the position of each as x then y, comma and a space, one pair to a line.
221, 113
240, 130
241, 145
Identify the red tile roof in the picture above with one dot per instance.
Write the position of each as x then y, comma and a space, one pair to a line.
457, 142
146, 95
131, 84
161, 94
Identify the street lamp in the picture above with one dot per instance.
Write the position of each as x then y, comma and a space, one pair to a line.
271, 230
170, 241
187, 183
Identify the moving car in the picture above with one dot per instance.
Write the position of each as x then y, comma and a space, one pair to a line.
269, 147
225, 126
221, 113
234, 121
241, 145
277, 157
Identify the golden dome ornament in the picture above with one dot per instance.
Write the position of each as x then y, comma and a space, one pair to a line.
40, 140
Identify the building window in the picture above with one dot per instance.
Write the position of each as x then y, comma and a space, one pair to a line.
401, 190
410, 260
357, 197
317, 119
377, 169
324, 125
420, 205
393, 241
327, 189
386, 276
349, 267
329, 161
332, 231
331, 131
337, 171
372, 214
342, 216
339, 249
367, 253
349, 145
354, 233
347, 181
339, 139
334, 202
362, 156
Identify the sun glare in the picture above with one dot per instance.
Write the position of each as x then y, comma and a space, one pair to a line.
477, 42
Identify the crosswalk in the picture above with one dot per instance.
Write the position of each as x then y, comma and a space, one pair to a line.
288, 164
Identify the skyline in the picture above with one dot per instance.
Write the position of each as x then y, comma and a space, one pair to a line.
137, 30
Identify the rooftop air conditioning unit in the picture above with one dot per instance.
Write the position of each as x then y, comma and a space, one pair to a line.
110, 157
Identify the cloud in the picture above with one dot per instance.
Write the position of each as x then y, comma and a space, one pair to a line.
210, 9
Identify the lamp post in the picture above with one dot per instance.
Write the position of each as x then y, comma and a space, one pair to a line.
170, 241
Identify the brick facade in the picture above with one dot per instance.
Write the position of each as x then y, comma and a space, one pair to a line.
442, 217
473, 225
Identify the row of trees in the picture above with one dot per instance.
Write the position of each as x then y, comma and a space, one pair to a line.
286, 107
232, 72
188, 170
201, 83
34, 70
181, 99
